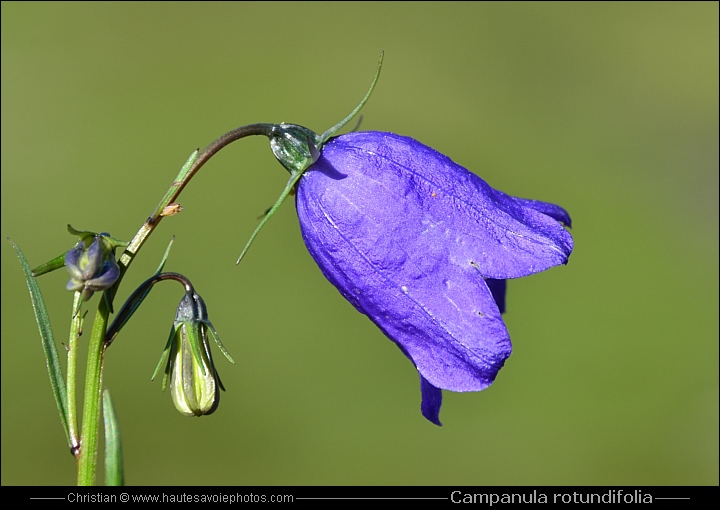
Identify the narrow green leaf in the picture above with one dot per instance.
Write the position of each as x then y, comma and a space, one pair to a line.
125, 313
113, 446
57, 381
179, 182
51, 265
187, 166
165, 256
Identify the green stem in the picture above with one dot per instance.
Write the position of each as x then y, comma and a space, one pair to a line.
93, 398
72, 350
181, 181
87, 457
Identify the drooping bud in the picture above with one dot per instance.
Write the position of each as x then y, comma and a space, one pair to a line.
190, 369
194, 381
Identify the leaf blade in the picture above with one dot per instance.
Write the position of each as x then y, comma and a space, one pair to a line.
57, 381
114, 473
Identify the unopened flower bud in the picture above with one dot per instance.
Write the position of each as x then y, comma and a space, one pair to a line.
194, 382
91, 264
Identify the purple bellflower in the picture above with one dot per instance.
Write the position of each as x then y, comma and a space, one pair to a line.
416, 242
423, 246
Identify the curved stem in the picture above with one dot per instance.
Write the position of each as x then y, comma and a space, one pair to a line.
181, 181
133, 302
87, 459
207, 153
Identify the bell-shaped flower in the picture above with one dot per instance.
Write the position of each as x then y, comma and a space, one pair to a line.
423, 247
92, 266
416, 242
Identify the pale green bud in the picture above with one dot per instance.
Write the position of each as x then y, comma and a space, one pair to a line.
194, 383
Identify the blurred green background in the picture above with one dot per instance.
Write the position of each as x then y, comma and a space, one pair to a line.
609, 109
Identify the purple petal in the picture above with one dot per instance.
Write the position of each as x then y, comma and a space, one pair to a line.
498, 289
399, 256
552, 210
74, 285
424, 247
72, 257
422, 198
431, 401
94, 259
110, 273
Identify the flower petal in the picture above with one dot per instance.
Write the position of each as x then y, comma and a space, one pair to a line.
431, 401
93, 259
498, 289
402, 272
74, 285
72, 259
108, 276
552, 210
419, 195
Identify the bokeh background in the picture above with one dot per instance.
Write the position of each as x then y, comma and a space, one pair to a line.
608, 109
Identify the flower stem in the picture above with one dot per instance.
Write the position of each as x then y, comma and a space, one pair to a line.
87, 456
181, 181
93, 398
72, 350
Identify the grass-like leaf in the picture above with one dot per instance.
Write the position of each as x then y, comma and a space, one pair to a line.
128, 310
57, 381
113, 446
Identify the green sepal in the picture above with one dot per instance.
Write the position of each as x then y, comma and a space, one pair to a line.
84, 235
337, 127
163, 358
220, 345
294, 178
